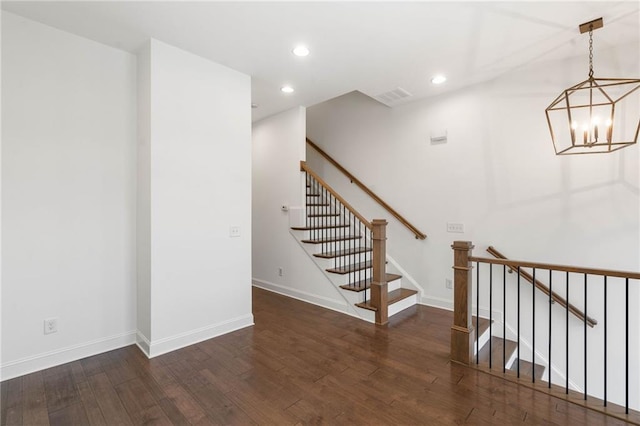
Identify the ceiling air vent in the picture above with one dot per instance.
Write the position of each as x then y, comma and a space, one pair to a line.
393, 97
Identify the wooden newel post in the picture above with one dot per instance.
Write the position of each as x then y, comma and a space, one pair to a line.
462, 330
378, 289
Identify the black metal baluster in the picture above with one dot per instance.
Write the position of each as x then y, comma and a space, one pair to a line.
343, 231
605, 340
359, 251
585, 337
490, 312
566, 390
533, 328
550, 305
325, 213
346, 246
504, 318
518, 358
477, 311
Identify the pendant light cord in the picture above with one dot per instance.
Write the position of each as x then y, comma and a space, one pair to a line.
591, 51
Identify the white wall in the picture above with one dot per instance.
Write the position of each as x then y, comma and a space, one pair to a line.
68, 196
200, 186
497, 174
278, 148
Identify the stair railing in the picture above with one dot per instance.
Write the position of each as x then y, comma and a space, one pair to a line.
418, 234
327, 209
555, 297
611, 289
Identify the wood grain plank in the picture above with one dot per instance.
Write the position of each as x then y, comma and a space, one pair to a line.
60, 389
14, 402
35, 410
108, 400
73, 414
92, 409
140, 403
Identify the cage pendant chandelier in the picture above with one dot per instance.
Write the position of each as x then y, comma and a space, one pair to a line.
597, 115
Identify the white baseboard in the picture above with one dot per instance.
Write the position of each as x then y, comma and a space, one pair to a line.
143, 343
436, 302
321, 301
50, 359
178, 341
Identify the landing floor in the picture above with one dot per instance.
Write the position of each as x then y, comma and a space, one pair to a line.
300, 364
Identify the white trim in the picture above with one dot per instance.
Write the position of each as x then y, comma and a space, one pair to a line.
179, 341
304, 296
41, 361
436, 302
143, 343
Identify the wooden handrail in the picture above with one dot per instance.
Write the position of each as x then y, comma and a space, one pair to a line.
352, 178
561, 268
305, 168
542, 287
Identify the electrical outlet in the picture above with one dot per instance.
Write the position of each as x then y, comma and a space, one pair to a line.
280, 272
234, 231
455, 227
51, 325
448, 283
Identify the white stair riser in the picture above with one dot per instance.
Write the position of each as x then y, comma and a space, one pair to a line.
344, 260
329, 232
482, 340
335, 245
361, 296
320, 221
402, 305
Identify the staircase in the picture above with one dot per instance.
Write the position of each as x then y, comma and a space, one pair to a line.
340, 243
500, 354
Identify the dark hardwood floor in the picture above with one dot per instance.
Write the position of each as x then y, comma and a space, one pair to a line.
300, 364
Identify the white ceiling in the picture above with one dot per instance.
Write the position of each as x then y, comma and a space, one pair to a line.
373, 47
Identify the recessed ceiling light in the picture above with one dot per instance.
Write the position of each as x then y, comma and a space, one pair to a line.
286, 89
438, 79
301, 51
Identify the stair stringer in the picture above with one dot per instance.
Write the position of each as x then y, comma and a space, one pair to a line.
541, 359
351, 310
351, 297
410, 282
511, 333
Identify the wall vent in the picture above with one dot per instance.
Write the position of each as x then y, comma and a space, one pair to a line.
393, 97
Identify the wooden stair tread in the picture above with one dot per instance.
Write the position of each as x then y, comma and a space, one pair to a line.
347, 252
365, 284
311, 228
332, 239
394, 297
526, 367
350, 268
497, 344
